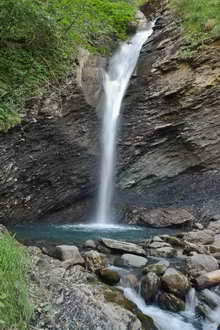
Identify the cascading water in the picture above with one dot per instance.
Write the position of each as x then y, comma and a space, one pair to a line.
116, 80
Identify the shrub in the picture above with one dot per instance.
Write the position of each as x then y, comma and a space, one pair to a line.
15, 309
39, 39
200, 18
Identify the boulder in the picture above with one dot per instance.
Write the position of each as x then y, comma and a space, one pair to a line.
208, 280
109, 276
95, 260
159, 268
175, 282
67, 252
200, 264
149, 286
200, 236
163, 252
158, 245
90, 244
159, 217
134, 260
87, 308
117, 297
122, 246
171, 302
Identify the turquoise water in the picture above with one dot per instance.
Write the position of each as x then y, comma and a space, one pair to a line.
45, 234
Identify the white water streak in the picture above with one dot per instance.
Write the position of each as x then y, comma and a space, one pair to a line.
116, 80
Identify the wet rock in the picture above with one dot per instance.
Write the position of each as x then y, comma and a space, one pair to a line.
95, 260
132, 281
200, 236
109, 276
159, 268
163, 252
134, 260
122, 246
200, 264
160, 217
208, 280
90, 244
170, 302
118, 297
175, 282
67, 252
149, 286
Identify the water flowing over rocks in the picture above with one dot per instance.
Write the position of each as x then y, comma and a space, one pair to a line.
171, 302
149, 286
99, 289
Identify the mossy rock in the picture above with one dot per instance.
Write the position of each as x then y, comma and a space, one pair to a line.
170, 302
117, 296
109, 276
158, 269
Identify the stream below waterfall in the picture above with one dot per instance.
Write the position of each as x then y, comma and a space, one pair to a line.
165, 320
42, 234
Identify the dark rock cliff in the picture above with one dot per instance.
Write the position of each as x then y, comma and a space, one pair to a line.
48, 164
169, 146
170, 141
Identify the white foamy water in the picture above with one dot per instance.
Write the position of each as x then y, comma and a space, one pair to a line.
163, 320
187, 320
116, 80
97, 226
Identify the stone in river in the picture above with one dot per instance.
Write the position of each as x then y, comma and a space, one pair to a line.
134, 260
122, 246
175, 282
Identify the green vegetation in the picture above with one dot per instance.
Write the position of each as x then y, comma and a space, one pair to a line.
39, 39
200, 19
15, 310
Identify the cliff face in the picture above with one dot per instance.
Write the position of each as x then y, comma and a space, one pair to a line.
48, 164
169, 146
170, 142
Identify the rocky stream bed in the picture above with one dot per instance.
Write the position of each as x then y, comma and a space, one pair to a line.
163, 282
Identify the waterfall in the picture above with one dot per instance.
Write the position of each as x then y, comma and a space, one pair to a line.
116, 79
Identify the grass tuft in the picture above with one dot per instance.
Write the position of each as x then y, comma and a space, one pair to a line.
15, 309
